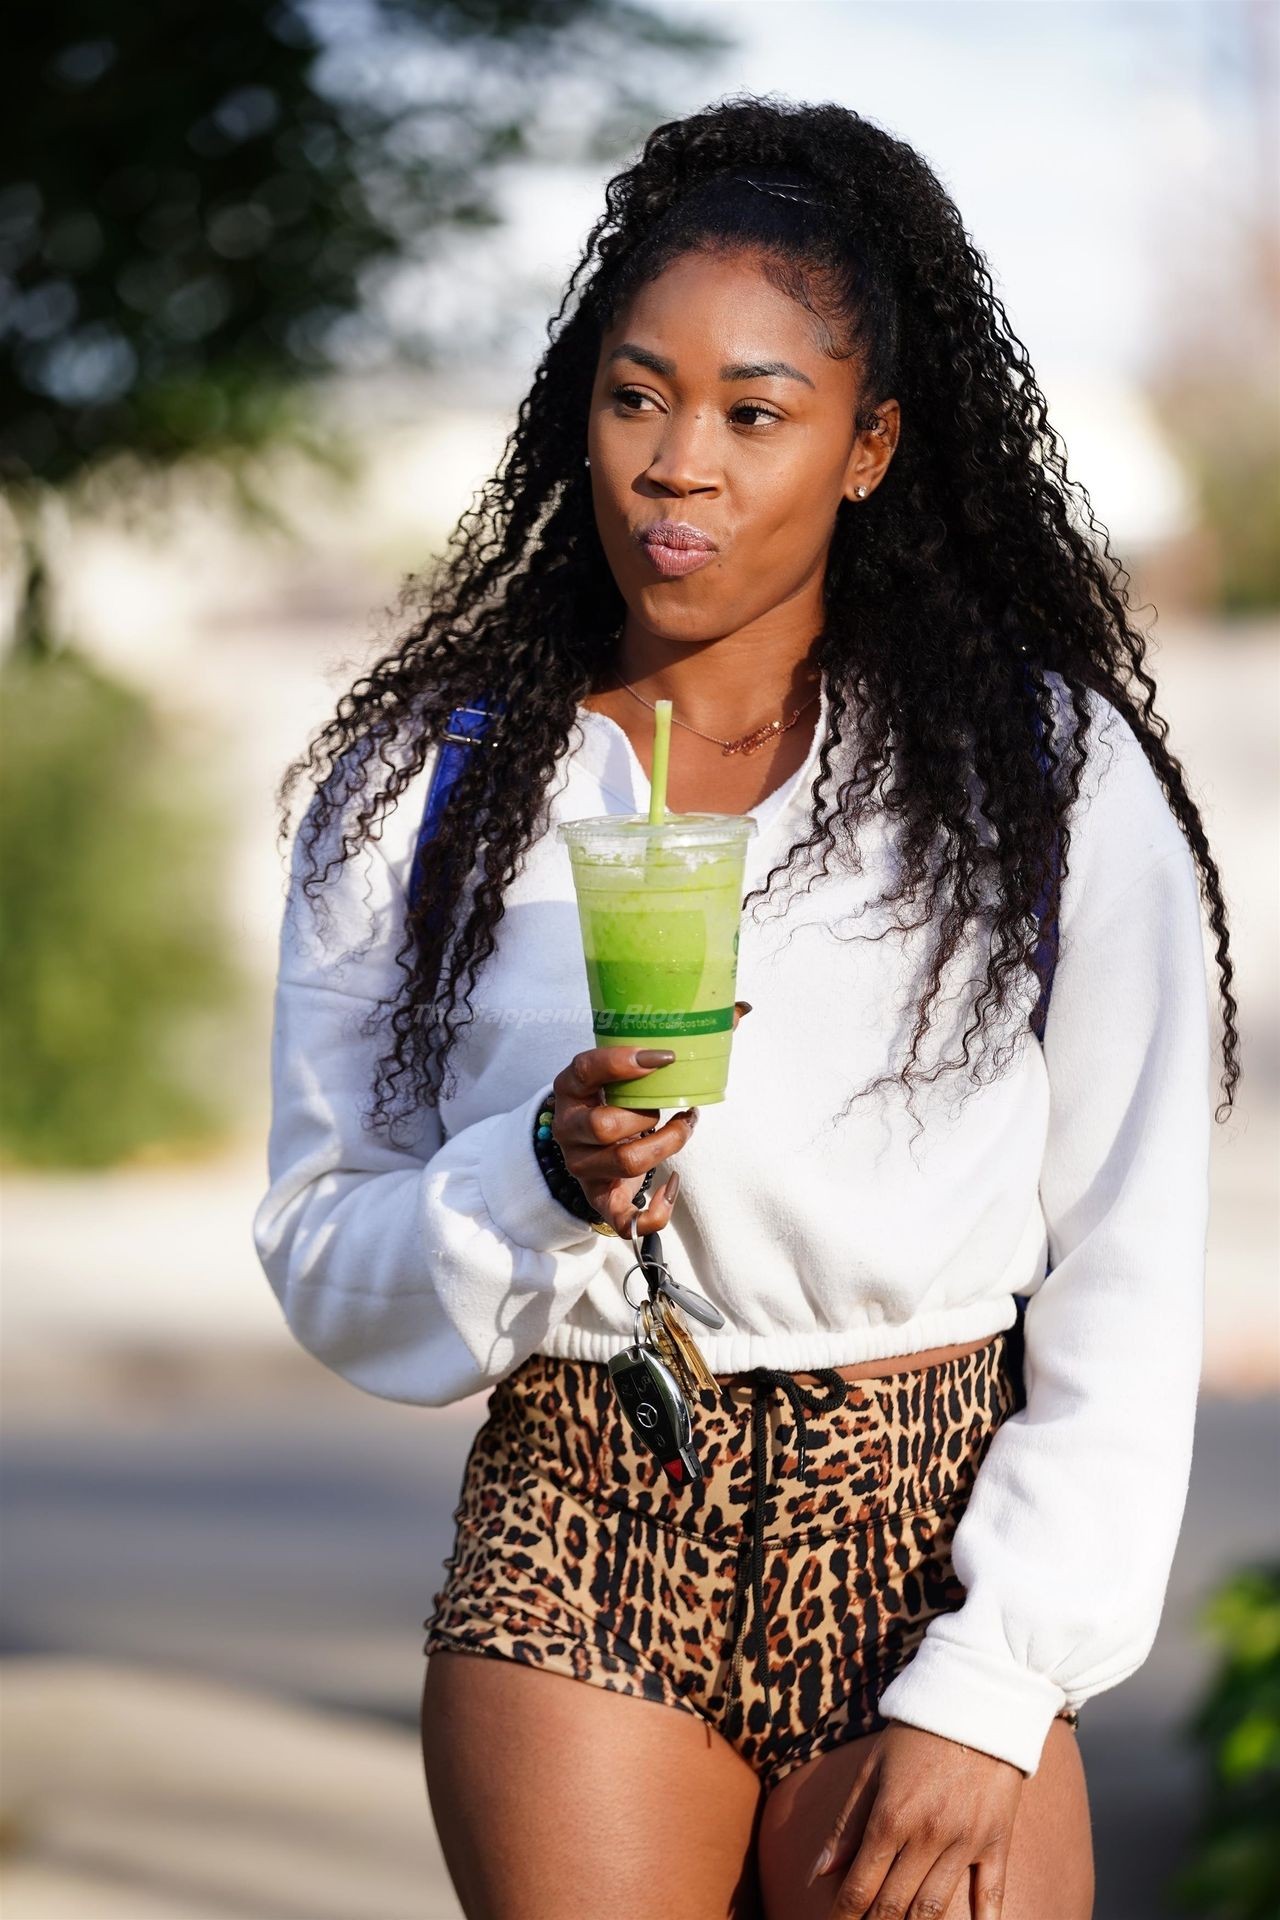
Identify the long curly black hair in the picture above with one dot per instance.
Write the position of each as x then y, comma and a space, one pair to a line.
964, 569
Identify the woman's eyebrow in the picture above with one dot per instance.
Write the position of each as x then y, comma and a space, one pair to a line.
736, 370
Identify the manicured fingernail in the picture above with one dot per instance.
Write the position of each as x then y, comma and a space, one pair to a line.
820, 1866
672, 1188
743, 1006
654, 1057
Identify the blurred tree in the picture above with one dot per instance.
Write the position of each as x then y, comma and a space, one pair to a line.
204, 204
114, 968
1215, 366
1234, 1868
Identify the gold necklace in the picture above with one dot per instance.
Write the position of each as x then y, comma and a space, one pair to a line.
747, 742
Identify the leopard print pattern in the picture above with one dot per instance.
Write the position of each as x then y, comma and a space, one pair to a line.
574, 1552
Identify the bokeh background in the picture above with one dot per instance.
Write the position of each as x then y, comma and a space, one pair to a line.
273, 278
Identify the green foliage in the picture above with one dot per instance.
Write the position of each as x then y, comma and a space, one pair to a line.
1240, 499
1234, 1871
202, 203
116, 987
1222, 414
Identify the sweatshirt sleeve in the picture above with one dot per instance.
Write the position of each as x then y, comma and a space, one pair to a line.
423, 1271
1067, 1540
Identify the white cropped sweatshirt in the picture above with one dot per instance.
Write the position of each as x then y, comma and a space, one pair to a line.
826, 1228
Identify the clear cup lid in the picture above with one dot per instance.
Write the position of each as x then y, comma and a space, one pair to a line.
678, 830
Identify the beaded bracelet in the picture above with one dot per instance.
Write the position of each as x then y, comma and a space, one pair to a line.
560, 1181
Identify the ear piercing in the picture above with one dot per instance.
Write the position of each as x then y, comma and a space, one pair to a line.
861, 491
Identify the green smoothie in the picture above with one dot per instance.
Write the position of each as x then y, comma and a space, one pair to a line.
659, 907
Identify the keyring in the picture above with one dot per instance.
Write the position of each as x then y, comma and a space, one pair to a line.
659, 1266
635, 1305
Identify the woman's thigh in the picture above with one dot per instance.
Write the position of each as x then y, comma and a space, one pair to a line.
555, 1800
1050, 1875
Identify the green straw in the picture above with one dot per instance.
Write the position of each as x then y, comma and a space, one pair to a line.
661, 757
658, 785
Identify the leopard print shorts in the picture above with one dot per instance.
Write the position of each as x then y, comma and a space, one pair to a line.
573, 1552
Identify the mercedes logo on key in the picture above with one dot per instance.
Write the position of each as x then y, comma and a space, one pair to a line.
647, 1414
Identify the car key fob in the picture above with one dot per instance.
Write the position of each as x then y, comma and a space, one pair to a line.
656, 1410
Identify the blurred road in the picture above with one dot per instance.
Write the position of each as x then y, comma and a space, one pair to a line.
297, 1550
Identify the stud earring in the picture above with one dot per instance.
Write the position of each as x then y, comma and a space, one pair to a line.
861, 491
586, 459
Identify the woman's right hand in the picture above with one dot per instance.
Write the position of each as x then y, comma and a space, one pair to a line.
608, 1150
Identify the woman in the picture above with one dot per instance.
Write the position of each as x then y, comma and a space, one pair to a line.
786, 354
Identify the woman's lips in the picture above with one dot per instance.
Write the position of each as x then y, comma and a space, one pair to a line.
671, 561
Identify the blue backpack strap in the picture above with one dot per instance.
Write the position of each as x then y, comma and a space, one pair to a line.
465, 729
1046, 954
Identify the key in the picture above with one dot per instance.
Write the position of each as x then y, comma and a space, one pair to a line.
668, 1297
657, 1332
694, 1373
658, 1336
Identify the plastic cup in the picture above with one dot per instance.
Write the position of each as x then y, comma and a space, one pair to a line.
659, 906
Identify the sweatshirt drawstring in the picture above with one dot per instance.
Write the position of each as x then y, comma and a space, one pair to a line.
801, 1397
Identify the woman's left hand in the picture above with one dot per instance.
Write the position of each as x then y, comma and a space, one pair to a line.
921, 1812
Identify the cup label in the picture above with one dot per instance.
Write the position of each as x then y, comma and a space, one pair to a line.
634, 1020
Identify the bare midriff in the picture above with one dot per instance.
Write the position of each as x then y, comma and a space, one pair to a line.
893, 1363
909, 1362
